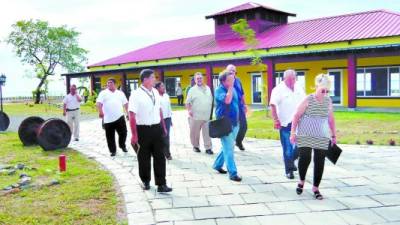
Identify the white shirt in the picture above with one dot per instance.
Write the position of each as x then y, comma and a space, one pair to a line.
200, 98
71, 101
146, 105
113, 103
286, 101
166, 106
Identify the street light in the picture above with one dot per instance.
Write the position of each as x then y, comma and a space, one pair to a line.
3, 79
4, 120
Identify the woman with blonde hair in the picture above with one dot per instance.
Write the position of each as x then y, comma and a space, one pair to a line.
313, 128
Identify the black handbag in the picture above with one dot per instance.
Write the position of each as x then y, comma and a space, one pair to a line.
333, 153
220, 127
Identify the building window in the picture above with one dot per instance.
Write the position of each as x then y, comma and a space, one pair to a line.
239, 16
220, 20
97, 85
215, 81
230, 19
251, 16
395, 82
263, 15
278, 77
378, 82
171, 83
270, 17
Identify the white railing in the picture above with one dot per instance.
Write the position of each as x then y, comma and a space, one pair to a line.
22, 99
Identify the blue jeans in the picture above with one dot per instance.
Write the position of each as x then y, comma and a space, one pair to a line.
226, 153
289, 150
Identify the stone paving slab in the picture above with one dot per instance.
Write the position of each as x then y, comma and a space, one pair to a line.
363, 188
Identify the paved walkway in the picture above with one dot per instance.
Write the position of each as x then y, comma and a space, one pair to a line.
364, 188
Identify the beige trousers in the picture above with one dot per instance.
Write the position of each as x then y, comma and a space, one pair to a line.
73, 122
195, 127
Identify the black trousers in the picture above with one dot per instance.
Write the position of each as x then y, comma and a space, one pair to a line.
119, 126
180, 99
242, 130
304, 162
151, 144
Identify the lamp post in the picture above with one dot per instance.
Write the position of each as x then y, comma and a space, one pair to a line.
2, 83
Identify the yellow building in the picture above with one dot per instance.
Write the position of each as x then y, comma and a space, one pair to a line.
360, 51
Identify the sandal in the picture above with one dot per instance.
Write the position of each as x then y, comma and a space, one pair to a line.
318, 195
299, 188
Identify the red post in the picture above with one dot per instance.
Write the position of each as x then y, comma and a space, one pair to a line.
62, 163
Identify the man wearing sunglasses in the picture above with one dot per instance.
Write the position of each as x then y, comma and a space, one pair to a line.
285, 98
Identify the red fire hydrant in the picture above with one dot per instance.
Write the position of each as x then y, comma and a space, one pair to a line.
62, 163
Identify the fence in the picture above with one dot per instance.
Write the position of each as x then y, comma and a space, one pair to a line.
22, 99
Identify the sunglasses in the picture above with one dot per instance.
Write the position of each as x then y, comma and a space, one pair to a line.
324, 91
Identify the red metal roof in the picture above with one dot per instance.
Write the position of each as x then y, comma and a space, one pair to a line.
364, 25
246, 6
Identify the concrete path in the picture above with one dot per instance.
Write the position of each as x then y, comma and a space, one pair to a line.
364, 188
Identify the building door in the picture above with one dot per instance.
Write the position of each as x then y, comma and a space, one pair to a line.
132, 85
256, 88
336, 87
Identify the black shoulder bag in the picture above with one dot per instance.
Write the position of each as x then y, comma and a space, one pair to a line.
220, 127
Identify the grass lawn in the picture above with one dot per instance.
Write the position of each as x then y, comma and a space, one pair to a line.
86, 194
351, 127
22, 109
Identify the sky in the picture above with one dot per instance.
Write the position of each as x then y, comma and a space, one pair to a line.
112, 27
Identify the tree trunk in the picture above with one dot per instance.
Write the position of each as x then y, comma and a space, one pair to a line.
38, 91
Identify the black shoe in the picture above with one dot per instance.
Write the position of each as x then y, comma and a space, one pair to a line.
290, 175
113, 154
169, 157
236, 178
222, 171
299, 188
209, 151
164, 188
196, 149
76, 139
240, 146
124, 149
146, 186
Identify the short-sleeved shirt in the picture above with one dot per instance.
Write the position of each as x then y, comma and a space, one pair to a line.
113, 102
286, 101
146, 105
166, 106
221, 109
71, 101
200, 98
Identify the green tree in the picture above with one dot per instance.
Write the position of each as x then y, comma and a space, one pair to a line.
242, 28
45, 48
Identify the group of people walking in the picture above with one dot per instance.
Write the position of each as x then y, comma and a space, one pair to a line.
306, 123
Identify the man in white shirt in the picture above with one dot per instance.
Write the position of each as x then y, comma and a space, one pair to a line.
71, 110
179, 94
167, 114
285, 98
111, 103
148, 129
199, 106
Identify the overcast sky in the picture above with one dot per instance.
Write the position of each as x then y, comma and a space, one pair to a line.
112, 27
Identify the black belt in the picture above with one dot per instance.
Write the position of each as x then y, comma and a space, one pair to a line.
149, 126
69, 110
